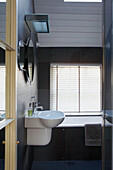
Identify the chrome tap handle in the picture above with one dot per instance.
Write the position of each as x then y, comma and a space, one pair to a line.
33, 102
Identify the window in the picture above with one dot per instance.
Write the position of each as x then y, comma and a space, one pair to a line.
82, 0
2, 88
76, 88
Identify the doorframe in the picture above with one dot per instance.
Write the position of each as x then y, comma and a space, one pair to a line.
10, 130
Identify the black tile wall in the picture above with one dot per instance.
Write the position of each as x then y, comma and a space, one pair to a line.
76, 149
46, 56
67, 144
55, 150
66, 55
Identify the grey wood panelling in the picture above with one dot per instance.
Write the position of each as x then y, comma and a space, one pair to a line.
71, 24
2, 20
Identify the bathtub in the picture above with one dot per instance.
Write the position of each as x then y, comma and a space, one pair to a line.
80, 121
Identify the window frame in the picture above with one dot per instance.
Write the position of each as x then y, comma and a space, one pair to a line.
80, 113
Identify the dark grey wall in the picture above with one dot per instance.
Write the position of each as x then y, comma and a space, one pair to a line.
61, 55
24, 91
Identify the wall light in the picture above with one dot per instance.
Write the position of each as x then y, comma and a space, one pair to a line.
37, 23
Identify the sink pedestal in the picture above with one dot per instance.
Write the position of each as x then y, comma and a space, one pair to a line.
40, 136
37, 133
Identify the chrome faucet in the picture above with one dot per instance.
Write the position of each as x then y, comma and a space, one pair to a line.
38, 107
33, 102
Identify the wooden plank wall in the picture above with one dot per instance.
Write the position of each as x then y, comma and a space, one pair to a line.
2, 20
71, 24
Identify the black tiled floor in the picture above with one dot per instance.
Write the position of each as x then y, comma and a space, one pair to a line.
85, 165
67, 165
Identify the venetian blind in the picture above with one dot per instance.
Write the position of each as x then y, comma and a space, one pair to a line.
75, 88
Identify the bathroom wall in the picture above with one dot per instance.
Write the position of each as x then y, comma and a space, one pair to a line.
67, 143
67, 55
71, 24
24, 91
2, 20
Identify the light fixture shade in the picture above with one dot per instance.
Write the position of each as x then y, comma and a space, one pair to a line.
37, 23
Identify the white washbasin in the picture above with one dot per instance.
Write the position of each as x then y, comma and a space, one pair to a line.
50, 118
39, 126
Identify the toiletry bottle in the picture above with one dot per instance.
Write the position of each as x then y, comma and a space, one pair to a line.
30, 110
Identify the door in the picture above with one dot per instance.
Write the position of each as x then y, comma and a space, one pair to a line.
108, 87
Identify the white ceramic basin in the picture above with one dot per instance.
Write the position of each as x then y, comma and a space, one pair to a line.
51, 118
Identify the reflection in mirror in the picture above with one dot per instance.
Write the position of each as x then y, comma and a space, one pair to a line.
29, 60
2, 81
2, 106
21, 55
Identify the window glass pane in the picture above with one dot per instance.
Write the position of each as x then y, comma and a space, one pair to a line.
68, 88
90, 86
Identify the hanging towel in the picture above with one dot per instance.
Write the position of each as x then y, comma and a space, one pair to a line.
93, 135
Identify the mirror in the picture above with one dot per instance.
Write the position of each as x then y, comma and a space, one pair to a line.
26, 59
29, 61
